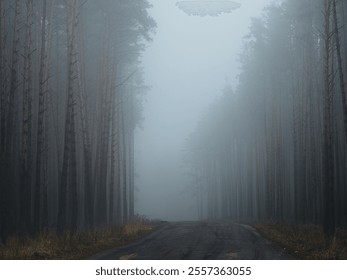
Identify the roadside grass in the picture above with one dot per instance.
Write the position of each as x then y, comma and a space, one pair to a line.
72, 246
306, 242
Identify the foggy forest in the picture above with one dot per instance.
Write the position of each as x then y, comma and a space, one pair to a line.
113, 111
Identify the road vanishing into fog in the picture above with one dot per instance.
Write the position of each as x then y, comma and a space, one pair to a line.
204, 240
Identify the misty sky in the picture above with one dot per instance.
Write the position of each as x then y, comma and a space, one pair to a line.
188, 63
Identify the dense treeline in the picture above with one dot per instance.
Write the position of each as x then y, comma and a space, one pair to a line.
70, 100
275, 148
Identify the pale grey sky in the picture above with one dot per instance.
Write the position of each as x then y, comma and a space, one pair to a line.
187, 64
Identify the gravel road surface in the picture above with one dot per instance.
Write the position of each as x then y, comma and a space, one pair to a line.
203, 240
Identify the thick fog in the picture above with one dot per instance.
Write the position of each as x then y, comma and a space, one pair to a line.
173, 110
189, 61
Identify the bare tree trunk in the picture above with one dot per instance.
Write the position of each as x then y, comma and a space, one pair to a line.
340, 68
3, 77
72, 77
87, 147
62, 211
328, 160
69, 169
14, 80
131, 156
40, 126
124, 168
113, 169
73, 174
116, 141
25, 187
131, 177
8, 167
105, 118
3, 106
47, 123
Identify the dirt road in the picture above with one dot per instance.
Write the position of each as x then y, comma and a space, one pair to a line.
199, 241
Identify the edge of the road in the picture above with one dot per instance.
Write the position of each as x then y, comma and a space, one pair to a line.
157, 228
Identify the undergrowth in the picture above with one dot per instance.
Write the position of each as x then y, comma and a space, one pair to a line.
69, 246
306, 241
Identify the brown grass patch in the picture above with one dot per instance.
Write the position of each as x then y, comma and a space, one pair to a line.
69, 246
306, 241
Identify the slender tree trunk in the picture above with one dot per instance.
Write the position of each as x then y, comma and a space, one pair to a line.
124, 168
47, 123
340, 67
71, 89
117, 147
131, 177
3, 77
114, 175
8, 164
113, 170
68, 220
131, 157
87, 147
105, 119
328, 161
25, 186
3, 100
40, 126
73, 174
62, 211
14, 80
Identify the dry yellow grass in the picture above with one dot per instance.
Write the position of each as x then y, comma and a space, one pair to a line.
68, 246
306, 241
133, 230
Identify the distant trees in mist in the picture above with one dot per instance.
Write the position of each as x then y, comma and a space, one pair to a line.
70, 100
275, 148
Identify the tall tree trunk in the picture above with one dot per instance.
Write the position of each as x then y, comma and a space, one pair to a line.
71, 89
131, 177
3, 106
47, 122
14, 80
25, 186
68, 212
116, 141
328, 160
131, 156
113, 130
87, 147
105, 118
40, 126
8, 167
340, 67
3, 77
124, 167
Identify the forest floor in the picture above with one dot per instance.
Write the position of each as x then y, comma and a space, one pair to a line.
196, 240
68, 246
306, 242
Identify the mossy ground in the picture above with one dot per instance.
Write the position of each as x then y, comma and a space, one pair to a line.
306, 241
69, 246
